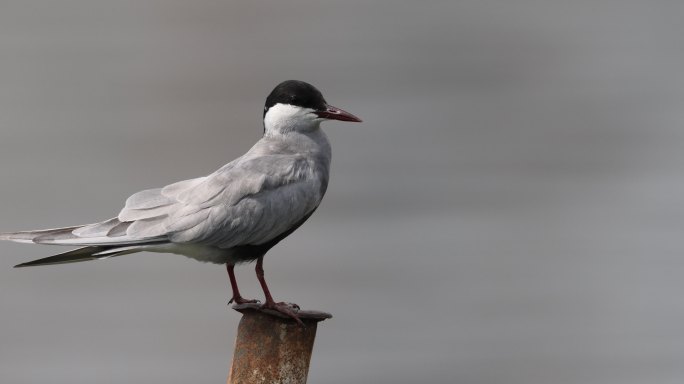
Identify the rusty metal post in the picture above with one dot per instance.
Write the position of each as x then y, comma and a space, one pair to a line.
271, 348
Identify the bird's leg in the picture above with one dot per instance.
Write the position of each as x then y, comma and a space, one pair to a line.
282, 307
237, 298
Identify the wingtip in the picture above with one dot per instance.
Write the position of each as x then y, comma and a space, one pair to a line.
30, 264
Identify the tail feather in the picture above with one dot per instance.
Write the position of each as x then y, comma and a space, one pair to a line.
110, 233
32, 237
80, 254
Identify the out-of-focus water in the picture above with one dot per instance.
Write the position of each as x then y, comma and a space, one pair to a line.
510, 211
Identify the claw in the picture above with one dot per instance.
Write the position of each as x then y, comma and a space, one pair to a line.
288, 309
240, 300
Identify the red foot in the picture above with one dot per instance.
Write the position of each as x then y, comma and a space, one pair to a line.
288, 309
240, 300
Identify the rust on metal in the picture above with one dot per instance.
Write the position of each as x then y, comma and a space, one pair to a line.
272, 348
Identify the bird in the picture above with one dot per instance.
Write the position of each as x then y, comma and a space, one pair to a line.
232, 216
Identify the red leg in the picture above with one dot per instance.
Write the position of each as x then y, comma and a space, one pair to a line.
281, 307
237, 298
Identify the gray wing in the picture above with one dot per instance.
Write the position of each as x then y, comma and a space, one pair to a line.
248, 201
251, 202
144, 206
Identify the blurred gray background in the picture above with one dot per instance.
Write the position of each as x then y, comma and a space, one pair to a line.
510, 211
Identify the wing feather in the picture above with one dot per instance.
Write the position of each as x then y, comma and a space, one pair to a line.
149, 198
248, 201
97, 229
173, 190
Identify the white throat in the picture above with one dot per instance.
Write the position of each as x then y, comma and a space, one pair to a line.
284, 118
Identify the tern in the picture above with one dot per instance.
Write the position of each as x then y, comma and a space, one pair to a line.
234, 215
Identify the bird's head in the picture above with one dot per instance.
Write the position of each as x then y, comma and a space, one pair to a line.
298, 106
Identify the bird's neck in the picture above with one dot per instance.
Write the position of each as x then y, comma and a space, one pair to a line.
313, 143
287, 126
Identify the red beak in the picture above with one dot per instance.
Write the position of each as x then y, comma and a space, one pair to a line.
334, 113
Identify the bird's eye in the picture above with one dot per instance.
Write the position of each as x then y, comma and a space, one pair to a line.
294, 99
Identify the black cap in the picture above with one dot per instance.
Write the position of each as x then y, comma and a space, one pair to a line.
298, 93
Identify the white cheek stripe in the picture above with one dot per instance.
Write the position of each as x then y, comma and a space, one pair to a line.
286, 117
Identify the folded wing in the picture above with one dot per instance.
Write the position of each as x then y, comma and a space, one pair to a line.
248, 201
